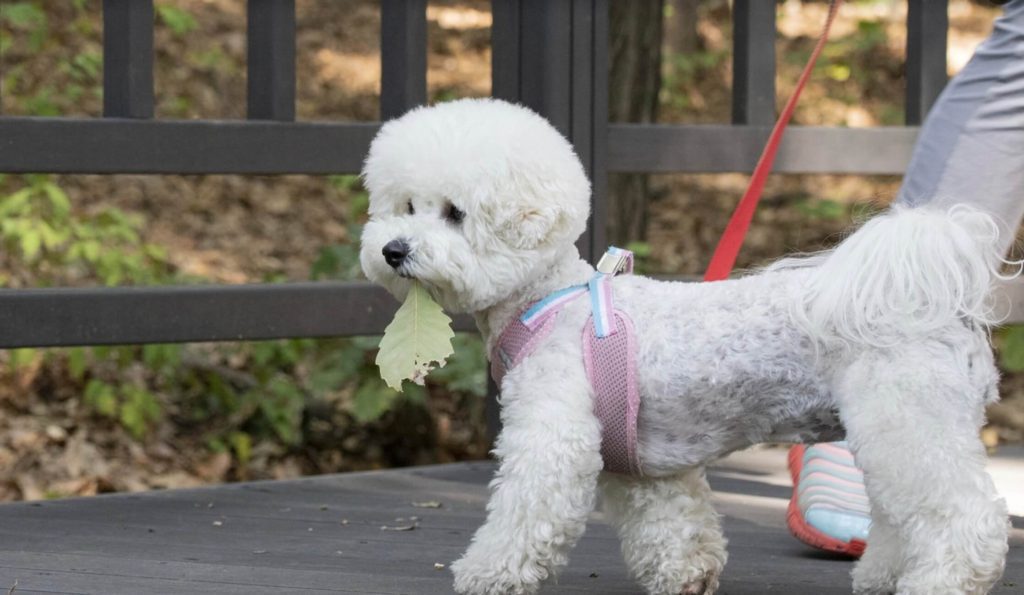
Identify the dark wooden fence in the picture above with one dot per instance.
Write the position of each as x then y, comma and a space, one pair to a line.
551, 55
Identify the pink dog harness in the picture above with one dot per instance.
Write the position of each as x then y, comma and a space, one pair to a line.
609, 356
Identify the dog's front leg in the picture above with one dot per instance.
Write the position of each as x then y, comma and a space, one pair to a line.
544, 489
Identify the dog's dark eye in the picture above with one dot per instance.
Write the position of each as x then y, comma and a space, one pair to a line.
411, 209
454, 214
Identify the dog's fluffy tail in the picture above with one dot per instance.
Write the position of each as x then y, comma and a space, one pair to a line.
904, 274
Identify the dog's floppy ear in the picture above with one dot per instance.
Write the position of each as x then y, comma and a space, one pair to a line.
529, 217
527, 225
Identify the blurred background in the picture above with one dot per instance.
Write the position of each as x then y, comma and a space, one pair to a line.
87, 420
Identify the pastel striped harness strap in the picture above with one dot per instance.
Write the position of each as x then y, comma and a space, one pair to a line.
609, 356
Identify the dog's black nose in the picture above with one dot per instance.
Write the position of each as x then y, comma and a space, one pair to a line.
395, 252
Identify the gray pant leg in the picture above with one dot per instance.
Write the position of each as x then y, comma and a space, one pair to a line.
971, 148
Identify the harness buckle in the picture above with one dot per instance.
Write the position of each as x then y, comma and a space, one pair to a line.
613, 263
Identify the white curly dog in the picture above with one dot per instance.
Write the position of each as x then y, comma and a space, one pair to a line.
883, 338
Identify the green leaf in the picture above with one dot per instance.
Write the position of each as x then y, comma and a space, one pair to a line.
467, 368
23, 358
139, 409
241, 443
58, 200
16, 203
372, 400
420, 334
31, 242
177, 19
76, 362
23, 15
1011, 349
100, 396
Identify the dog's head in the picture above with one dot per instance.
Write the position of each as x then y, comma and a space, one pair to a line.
472, 198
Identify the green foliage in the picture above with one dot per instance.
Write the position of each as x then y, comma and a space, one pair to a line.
179, 21
23, 358
36, 222
466, 370
859, 62
823, 209
444, 94
235, 395
22, 15
212, 59
133, 406
683, 70
1010, 341
641, 256
138, 409
27, 18
339, 261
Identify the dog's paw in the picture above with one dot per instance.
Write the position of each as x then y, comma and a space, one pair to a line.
873, 576
492, 576
697, 576
864, 584
695, 588
706, 585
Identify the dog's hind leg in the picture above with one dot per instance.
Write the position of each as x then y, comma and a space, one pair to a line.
913, 415
671, 536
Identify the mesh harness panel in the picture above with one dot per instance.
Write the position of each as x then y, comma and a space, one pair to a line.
609, 356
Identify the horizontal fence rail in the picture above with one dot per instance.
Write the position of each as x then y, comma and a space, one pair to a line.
658, 148
126, 315
112, 146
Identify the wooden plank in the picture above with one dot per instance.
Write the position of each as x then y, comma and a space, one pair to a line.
927, 30
753, 63
104, 544
110, 146
659, 148
403, 56
271, 60
66, 317
128, 58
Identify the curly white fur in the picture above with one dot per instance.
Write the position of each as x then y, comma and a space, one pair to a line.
903, 275
883, 338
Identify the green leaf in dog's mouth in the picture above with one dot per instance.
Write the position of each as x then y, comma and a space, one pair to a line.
419, 336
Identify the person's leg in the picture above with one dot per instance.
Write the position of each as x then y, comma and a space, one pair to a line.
971, 150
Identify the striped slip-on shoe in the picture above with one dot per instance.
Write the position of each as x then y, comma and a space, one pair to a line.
829, 509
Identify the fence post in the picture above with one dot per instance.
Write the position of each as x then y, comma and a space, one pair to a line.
128, 58
927, 29
753, 59
271, 60
403, 56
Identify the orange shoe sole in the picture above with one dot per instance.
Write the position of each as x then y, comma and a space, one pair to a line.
800, 528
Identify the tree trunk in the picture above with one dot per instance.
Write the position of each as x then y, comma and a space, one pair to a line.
634, 84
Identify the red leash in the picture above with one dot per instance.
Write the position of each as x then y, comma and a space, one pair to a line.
728, 247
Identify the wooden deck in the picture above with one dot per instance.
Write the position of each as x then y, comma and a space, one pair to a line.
362, 533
